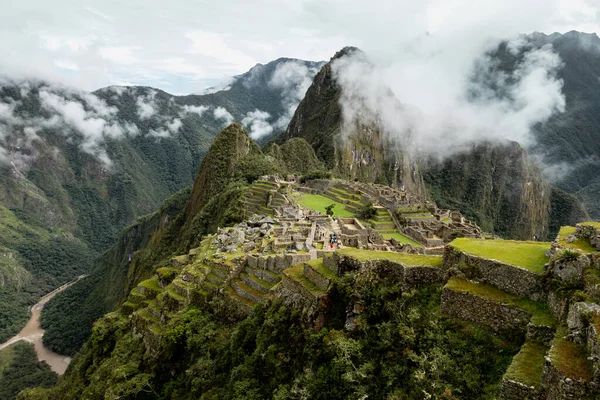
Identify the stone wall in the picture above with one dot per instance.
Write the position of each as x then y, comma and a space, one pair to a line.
590, 233
416, 276
510, 278
478, 310
561, 387
513, 390
294, 293
316, 278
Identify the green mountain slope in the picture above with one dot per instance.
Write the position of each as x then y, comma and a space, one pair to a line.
215, 200
76, 168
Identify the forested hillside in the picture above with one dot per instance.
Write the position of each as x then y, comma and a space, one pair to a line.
76, 167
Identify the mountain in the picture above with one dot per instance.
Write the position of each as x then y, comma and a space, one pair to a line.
568, 143
239, 314
76, 167
495, 184
368, 154
214, 200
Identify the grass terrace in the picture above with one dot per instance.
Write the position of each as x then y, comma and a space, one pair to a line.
592, 224
528, 255
539, 312
317, 202
318, 266
297, 273
527, 366
401, 238
409, 260
570, 358
151, 283
582, 245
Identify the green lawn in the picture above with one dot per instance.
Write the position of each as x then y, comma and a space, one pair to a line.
403, 258
151, 283
317, 202
582, 245
401, 238
527, 366
539, 312
528, 255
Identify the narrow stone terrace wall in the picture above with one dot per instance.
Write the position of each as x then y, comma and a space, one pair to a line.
510, 278
481, 311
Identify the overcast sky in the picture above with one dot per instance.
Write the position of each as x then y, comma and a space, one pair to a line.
185, 46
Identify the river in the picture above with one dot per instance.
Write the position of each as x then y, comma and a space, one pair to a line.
33, 333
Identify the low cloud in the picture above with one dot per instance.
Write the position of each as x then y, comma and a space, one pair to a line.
256, 121
293, 78
198, 110
146, 105
429, 110
222, 114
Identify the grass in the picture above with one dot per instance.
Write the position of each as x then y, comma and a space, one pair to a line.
297, 273
401, 238
539, 312
582, 245
318, 266
528, 365
317, 202
570, 358
410, 260
592, 224
151, 283
528, 255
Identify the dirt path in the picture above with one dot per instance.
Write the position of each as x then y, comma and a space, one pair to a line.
33, 333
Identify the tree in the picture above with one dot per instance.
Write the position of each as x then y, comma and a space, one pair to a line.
329, 209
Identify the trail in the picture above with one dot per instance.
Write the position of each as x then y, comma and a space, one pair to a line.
33, 333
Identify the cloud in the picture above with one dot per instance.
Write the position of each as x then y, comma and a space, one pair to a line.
198, 110
119, 54
221, 113
439, 103
146, 105
257, 122
294, 79
66, 64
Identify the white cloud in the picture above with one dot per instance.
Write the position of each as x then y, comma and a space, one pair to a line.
442, 110
294, 79
224, 115
198, 110
66, 64
146, 105
174, 125
119, 54
256, 121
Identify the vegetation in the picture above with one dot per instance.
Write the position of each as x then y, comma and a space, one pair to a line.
401, 348
528, 365
366, 212
528, 255
403, 258
320, 203
20, 369
582, 245
401, 238
570, 358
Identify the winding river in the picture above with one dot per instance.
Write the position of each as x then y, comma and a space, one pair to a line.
33, 333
